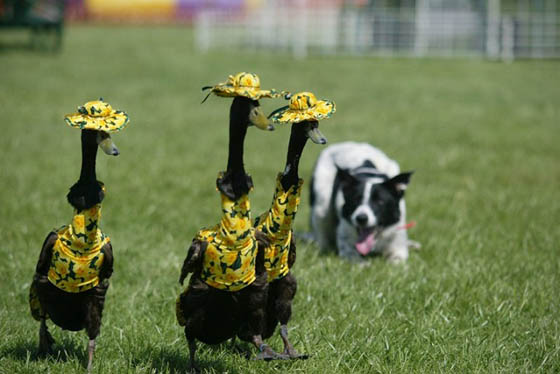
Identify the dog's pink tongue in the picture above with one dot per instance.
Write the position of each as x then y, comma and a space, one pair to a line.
365, 243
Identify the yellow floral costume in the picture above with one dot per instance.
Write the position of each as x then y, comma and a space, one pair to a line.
304, 106
242, 84
97, 115
276, 224
76, 255
229, 259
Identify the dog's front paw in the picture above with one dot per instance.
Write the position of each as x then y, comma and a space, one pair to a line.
397, 256
414, 245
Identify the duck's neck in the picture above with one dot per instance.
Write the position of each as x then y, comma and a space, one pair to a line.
87, 191
236, 182
298, 139
89, 154
237, 132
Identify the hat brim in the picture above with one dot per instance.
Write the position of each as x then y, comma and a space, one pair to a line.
249, 92
321, 110
116, 121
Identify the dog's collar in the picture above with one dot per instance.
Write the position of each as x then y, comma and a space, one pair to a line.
369, 172
407, 226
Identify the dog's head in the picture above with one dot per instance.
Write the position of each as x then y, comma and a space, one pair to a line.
370, 202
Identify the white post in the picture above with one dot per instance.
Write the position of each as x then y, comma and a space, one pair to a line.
493, 29
552, 28
350, 30
202, 30
299, 31
422, 26
507, 39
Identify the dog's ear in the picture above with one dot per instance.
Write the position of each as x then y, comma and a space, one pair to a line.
368, 164
345, 177
398, 184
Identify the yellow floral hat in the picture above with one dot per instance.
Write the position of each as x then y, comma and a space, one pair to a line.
303, 106
97, 115
242, 84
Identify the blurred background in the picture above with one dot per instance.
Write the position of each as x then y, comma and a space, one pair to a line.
464, 92
497, 29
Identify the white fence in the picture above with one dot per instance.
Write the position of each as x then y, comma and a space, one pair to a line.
419, 31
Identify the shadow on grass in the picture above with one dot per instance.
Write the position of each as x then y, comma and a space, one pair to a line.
63, 351
26, 47
177, 361
14, 46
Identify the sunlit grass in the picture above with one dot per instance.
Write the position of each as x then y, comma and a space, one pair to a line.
481, 295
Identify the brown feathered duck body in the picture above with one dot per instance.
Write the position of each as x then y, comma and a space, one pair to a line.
226, 293
72, 275
276, 226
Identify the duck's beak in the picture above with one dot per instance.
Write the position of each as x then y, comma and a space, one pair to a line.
257, 118
315, 135
105, 142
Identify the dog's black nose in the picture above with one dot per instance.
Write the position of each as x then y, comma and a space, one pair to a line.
362, 219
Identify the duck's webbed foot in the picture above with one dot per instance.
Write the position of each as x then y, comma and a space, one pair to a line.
45, 338
266, 353
289, 350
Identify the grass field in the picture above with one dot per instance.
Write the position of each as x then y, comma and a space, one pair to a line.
480, 296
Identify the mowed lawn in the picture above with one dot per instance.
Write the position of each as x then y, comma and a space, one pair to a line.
482, 295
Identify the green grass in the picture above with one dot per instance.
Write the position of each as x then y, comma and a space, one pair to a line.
480, 296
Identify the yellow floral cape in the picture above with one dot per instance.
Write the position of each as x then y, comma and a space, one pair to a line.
304, 106
243, 84
97, 115
229, 259
276, 224
76, 255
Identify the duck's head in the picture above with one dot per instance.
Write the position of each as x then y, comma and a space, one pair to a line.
304, 112
248, 112
310, 129
246, 90
97, 119
105, 142
97, 138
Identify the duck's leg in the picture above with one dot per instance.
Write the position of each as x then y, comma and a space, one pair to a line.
287, 288
45, 338
91, 351
193, 367
255, 298
95, 301
40, 278
289, 349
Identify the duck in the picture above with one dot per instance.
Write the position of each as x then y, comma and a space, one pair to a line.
304, 113
226, 294
76, 260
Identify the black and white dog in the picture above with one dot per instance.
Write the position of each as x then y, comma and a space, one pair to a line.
357, 204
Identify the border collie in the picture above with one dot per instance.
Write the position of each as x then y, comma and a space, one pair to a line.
357, 203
